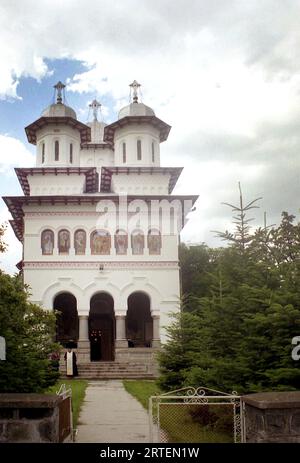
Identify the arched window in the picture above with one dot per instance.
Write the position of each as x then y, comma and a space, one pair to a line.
43, 153
56, 150
153, 152
71, 153
154, 242
80, 242
137, 242
139, 150
121, 242
124, 152
63, 242
100, 242
47, 242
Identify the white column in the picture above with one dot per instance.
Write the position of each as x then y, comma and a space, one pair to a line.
83, 328
156, 331
121, 340
83, 345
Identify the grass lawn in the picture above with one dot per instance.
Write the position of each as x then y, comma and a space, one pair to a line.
175, 420
78, 387
142, 390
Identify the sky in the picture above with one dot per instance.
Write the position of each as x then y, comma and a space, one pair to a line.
224, 74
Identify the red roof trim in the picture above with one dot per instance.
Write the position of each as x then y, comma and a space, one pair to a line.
109, 130
89, 172
107, 172
31, 129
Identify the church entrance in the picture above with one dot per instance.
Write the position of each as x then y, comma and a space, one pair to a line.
102, 327
139, 325
67, 325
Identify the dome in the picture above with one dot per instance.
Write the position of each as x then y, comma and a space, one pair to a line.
97, 131
136, 109
59, 110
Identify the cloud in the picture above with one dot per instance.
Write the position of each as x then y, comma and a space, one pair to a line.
224, 73
13, 154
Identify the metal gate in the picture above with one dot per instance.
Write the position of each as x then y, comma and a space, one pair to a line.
65, 414
196, 415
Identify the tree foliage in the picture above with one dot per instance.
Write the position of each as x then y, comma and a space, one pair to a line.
29, 332
240, 311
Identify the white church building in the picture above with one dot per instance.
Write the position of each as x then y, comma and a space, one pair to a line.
100, 232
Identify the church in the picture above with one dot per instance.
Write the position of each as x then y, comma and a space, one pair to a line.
100, 230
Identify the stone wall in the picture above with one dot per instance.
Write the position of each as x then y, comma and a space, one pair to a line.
272, 417
29, 418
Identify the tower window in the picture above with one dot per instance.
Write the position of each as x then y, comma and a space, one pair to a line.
139, 150
153, 152
56, 150
43, 153
71, 153
124, 152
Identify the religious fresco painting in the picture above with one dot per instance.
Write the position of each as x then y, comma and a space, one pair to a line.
47, 242
80, 242
121, 242
100, 242
63, 242
137, 242
154, 242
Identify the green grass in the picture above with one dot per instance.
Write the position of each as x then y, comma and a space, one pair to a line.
78, 387
142, 390
175, 420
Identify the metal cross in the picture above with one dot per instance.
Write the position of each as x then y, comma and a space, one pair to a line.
95, 105
59, 87
135, 85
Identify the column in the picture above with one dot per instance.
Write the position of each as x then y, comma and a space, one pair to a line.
156, 331
121, 340
83, 328
83, 350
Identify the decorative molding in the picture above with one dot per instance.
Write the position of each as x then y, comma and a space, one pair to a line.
62, 214
107, 265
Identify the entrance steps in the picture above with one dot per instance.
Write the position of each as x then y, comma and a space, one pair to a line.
112, 370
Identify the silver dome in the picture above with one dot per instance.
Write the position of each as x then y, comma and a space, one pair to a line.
59, 110
136, 109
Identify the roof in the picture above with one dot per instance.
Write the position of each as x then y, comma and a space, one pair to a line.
163, 128
136, 109
59, 110
31, 129
89, 172
15, 203
107, 172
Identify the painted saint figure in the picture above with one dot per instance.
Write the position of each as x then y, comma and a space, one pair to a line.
71, 363
154, 242
47, 242
63, 242
121, 242
137, 241
80, 241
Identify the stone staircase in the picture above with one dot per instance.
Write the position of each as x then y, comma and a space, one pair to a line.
112, 370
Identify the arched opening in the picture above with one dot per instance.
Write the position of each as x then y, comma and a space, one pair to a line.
139, 325
102, 327
56, 150
67, 324
124, 152
139, 150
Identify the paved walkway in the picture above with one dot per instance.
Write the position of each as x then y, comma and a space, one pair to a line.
110, 414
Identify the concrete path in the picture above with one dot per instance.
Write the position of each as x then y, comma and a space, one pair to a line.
110, 414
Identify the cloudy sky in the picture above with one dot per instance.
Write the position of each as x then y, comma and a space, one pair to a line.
225, 74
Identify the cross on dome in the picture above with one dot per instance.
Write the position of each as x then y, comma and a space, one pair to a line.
95, 105
135, 86
58, 88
